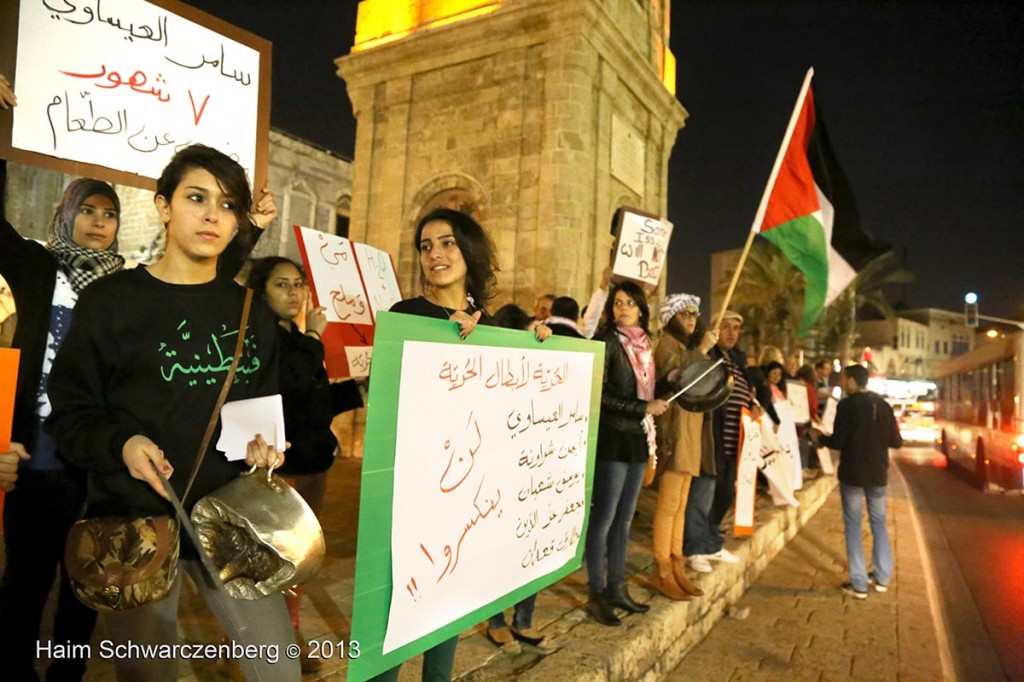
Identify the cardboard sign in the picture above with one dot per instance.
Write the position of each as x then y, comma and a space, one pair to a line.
796, 393
746, 474
642, 246
476, 482
115, 87
354, 282
8, 384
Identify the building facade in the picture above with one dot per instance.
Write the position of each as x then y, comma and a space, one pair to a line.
913, 344
538, 117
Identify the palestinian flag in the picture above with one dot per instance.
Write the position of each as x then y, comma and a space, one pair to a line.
809, 213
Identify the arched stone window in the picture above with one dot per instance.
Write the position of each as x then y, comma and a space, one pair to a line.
299, 209
342, 213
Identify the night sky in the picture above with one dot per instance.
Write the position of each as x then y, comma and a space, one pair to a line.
923, 103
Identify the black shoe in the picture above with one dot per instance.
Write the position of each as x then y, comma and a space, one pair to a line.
618, 595
602, 611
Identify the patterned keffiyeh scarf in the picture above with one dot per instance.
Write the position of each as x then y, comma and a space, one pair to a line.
637, 345
82, 266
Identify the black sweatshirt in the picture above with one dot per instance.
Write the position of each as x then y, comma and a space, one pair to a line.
146, 357
865, 429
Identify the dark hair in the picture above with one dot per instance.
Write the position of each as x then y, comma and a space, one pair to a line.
228, 173
511, 316
858, 373
822, 363
691, 341
768, 367
634, 292
259, 273
477, 250
806, 373
566, 306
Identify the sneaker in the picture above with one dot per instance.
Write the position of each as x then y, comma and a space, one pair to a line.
848, 590
725, 556
699, 563
879, 587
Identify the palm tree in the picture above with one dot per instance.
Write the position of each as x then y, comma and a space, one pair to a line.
769, 295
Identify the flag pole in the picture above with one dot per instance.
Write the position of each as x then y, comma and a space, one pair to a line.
759, 216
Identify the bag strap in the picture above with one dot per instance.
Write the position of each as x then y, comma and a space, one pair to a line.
228, 380
210, 571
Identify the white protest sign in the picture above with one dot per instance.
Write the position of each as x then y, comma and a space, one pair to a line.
796, 392
789, 441
825, 461
642, 247
489, 477
746, 474
775, 465
126, 83
335, 277
828, 417
378, 277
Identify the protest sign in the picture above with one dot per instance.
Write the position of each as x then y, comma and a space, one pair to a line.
746, 474
828, 417
477, 477
9, 372
796, 393
776, 466
354, 282
642, 246
113, 88
790, 442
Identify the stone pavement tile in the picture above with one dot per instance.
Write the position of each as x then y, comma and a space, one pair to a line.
875, 666
774, 675
824, 656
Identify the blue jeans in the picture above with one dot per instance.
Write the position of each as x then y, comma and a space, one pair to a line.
881, 553
616, 489
699, 537
724, 498
523, 617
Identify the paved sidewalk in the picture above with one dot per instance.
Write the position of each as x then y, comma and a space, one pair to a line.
801, 627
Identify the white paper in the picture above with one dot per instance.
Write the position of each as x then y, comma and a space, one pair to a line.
358, 360
825, 460
489, 478
124, 84
241, 420
775, 465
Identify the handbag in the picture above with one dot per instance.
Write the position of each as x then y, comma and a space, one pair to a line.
116, 563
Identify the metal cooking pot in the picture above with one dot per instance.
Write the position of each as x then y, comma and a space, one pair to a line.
261, 535
704, 385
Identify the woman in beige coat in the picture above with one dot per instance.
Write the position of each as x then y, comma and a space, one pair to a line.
684, 438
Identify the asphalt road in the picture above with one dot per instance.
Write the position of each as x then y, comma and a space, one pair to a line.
975, 543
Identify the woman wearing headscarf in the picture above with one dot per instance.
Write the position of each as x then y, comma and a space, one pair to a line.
684, 439
45, 498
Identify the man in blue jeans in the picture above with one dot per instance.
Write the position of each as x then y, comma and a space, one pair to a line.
865, 429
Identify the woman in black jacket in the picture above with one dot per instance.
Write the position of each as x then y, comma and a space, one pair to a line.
310, 400
625, 439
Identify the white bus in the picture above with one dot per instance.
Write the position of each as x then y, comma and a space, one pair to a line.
980, 411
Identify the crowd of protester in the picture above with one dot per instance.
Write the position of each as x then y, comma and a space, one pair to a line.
93, 433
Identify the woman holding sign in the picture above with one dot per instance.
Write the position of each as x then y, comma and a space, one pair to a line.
310, 400
685, 443
457, 266
625, 439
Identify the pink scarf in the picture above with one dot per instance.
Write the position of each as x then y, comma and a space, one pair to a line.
637, 345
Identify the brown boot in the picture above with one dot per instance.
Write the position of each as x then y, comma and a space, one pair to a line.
679, 573
663, 581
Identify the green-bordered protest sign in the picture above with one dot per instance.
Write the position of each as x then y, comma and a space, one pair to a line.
477, 475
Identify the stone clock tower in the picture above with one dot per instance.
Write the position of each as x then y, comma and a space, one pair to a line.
539, 117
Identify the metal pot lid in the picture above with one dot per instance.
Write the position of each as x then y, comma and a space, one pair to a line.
707, 392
